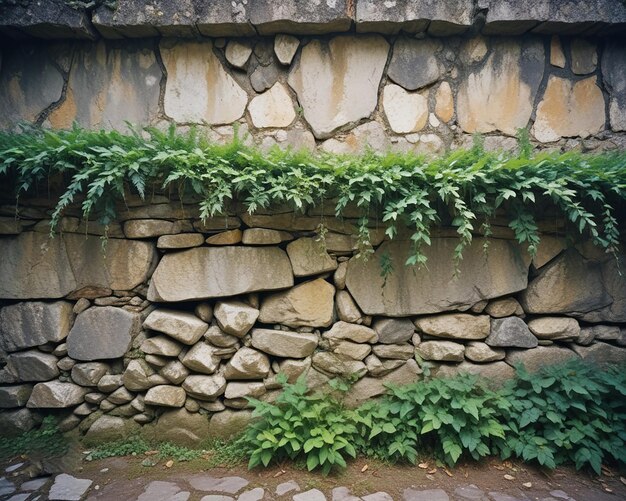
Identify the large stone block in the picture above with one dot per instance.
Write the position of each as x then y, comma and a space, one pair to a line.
32, 323
304, 18
198, 89
109, 86
510, 332
102, 333
182, 427
15, 422
14, 395
541, 356
451, 17
283, 343
235, 317
247, 364
56, 395
405, 292
455, 326
414, 63
182, 326
52, 268
337, 81
33, 365
207, 272
613, 64
601, 353
499, 95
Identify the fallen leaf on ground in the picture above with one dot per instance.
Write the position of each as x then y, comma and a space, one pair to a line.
498, 467
623, 480
447, 472
528, 485
423, 466
430, 477
509, 477
151, 453
608, 489
169, 464
364, 469
279, 473
434, 470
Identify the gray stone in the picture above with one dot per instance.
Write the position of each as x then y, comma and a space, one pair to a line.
425, 495
202, 358
285, 487
256, 494
261, 79
34, 485
217, 337
205, 387
28, 324
235, 317
394, 351
331, 363
445, 351
601, 353
68, 488
56, 395
310, 495
120, 396
555, 328
309, 304
180, 241
393, 331
510, 332
182, 427
182, 326
102, 333
351, 332
584, 56
51, 20
347, 310
614, 58
309, 257
482, 352
89, 374
15, 395
108, 429
16, 421
455, 326
110, 382
470, 492
136, 375
225, 485
503, 271
541, 356
32, 365
175, 372
377, 367
414, 63
352, 66
247, 364
206, 272
228, 424
284, 343
263, 236
238, 52
204, 311
166, 396
241, 390
285, 47
377, 496
158, 490
161, 346
295, 17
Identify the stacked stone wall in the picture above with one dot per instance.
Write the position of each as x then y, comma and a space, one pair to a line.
172, 323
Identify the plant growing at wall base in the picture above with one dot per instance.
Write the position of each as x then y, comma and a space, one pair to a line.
47, 440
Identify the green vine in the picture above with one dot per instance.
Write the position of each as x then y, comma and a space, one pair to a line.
465, 189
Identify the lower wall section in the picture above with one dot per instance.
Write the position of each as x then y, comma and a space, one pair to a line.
174, 323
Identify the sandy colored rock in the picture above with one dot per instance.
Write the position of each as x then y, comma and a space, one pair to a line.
405, 111
444, 351
395, 351
308, 257
557, 57
539, 357
347, 310
242, 390
283, 343
285, 47
482, 352
510, 332
474, 50
505, 307
148, 228
230, 237
455, 326
351, 332
273, 108
337, 81
198, 88
339, 277
263, 236
135, 377
207, 272
569, 109
247, 364
161, 346
56, 395
175, 372
180, 241
182, 326
444, 102
110, 382
108, 429
340, 365
548, 249
182, 427
235, 317
89, 374
165, 396
500, 95
356, 351
414, 62
496, 374
227, 424
237, 53
205, 387
555, 328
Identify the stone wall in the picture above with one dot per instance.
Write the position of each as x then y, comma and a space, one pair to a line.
174, 322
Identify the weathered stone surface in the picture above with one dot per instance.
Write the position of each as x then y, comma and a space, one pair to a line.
273, 108
89, 374
166, 396
201, 358
444, 102
30, 82
613, 59
495, 373
263, 236
290, 221
395, 351
393, 330
309, 257
182, 427
202, 273
264, 77
27, 324
569, 109
539, 357
242, 390
455, 326
347, 310
175, 372
182, 326
110, 382
503, 271
294, 17
50, 20
445, 351
198, 88
15, 422
294, 368
601, 353
229, 237
161, 346
557, 56
337, 81
180, 241
120, 396
441, 18
510, 332
235, 317
247, 364
309, 304
356, 351
227, 424
351, 332
238, 52
55, 395
283, 343
285, 47
377, 367
148, 228
108, 429
331, 363
52, 268
548, 249
555, 328
68, 488
474, 50
503, 307
15, 395
414, 63
482, 352
219, 338
101, 75
33, 365
136, 375
500, 95
369, 387
367, 136
584, 56
101, 333
205, 387
405, 111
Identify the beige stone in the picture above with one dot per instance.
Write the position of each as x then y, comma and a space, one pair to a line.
235, 317
455, 326
600, 353
333, 364
482, 352
405, 111
548, 249
198, 88
180, 241
228, 424
284, 343
162, 346
503, 307
557, 57
309, 304
356, 351
339, 277
206, 272
496, 374
555, 328
182, 427
148, 228
56, 395
444, 102
351, 332
584, 56
569, 109
500, 95
309, 257
347, 309
337, 81
541, 356
247, 364
237, 53
182, 326
273, 108
263, 236
444, 351
394, 351
205, 387
230, 237
474, 50
201, 358
285, 47
166, 396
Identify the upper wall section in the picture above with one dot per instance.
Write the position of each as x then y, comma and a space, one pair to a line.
217, 18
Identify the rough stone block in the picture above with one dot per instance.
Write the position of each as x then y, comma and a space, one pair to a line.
295, 17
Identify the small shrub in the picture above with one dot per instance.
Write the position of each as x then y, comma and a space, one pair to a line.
177, 452
47, 440
133, 445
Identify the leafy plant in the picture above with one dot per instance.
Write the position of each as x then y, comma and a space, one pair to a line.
571, 412
133, 445
46, 440
296, 425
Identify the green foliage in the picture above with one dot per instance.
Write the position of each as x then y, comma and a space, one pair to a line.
225, 453
451, 416
177, 452
47, 440
296, 425
569, 413
464, 189
133, 445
